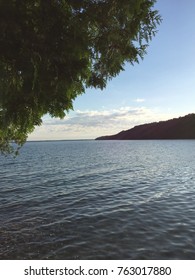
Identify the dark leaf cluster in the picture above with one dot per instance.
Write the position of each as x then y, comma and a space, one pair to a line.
50, 51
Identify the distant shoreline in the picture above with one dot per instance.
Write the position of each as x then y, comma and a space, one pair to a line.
113, 140
175, 129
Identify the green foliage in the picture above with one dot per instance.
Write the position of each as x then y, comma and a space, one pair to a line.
50, 51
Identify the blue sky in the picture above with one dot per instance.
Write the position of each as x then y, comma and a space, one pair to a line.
160, 87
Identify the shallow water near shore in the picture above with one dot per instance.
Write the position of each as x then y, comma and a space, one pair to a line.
99, 200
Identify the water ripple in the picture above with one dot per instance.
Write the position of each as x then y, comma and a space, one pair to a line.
99, 200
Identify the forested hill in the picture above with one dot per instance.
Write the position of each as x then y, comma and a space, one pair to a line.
178, 128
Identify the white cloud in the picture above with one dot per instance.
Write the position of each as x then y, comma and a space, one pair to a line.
139, 100
91, 124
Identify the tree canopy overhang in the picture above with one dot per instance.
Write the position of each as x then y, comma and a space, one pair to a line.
50, 51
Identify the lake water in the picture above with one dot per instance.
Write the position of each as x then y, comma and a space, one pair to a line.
99, 200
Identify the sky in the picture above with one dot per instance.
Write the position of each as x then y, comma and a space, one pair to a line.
160, 87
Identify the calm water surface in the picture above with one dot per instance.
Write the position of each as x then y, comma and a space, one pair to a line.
99, 200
